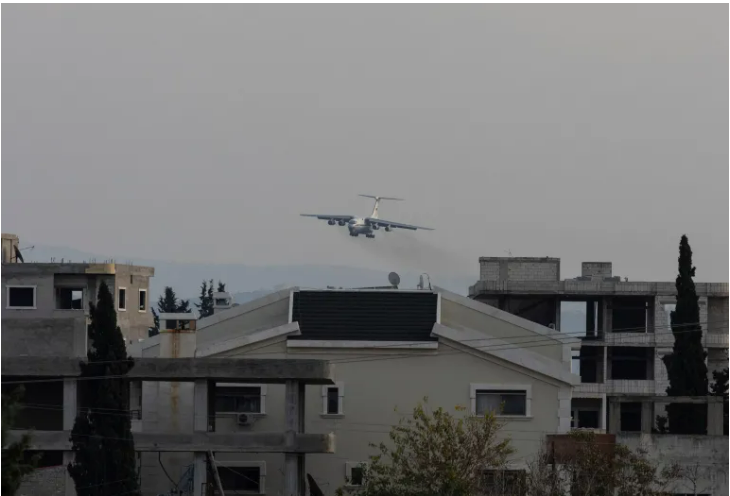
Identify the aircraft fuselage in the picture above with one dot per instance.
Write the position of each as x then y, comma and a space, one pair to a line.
360, 226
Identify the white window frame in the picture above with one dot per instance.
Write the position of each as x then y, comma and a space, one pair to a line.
262, 388
146, 300
340, 386
119, 299
7, 295
527, 388
348, 472
246, 464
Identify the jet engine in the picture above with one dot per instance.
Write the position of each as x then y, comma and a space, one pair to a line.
387, 228
375, 227
331, 222
342, 222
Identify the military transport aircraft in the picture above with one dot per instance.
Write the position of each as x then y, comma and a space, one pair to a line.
366, 225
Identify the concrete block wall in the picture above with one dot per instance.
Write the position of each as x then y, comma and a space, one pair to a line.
489, 271
717, 315
597, 269
530, 269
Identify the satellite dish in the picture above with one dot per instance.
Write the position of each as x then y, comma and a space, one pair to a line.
394, 279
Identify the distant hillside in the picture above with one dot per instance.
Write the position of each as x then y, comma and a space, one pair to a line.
248, 282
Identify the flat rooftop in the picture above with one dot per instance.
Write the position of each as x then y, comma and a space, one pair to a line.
36, 268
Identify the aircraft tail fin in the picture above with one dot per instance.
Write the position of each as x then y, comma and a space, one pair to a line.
377, 203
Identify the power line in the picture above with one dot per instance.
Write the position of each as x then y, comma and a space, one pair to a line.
537, 341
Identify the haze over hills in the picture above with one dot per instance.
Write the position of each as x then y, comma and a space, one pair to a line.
248, 282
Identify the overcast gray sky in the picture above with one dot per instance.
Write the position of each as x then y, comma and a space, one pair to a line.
192, 133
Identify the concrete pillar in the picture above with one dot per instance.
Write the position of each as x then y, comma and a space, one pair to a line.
200, 474
200, 406
294, 469
200, 424
614, 417
647, 417
591, 319
605, 364
604, 405
70, 408
607, 305
715, 419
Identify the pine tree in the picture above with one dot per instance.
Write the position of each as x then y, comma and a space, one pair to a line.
16, 463
686, 366
221, 287
205, 307
168, 301
105, 460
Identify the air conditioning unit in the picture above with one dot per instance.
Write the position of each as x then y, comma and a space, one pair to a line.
244, 419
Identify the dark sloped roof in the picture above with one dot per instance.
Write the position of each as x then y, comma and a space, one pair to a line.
365, 315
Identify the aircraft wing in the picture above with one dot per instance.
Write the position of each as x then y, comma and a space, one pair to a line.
394, 225
343, 218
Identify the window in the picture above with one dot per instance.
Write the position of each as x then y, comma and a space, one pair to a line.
630, 417
505, 482
69, 298
333, 399
21, 297
242, 477
142, 300
575, 362
508, 400
355, 473
240, 398
170, 324
122, 299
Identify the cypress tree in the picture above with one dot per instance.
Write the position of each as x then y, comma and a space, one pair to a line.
686, 366
102, 442
221, 287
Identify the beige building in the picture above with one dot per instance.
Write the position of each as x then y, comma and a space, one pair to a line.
390, 349
38, 299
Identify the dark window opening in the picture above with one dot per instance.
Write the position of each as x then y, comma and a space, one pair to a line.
333, 400
243, 479
21, 297
502, 402
238, 399
69, 298
630, 363
356, 476
170, 324
40, 405
629, 314
142, 300
588, 419
122, 299
505, 482
630, 417
591, 364
46, 458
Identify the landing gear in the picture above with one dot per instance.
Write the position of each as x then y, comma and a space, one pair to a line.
354, 235
369, 235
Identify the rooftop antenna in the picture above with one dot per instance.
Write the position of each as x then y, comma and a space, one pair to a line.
394, 279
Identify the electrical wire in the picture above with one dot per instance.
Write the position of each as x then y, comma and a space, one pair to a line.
537, 341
